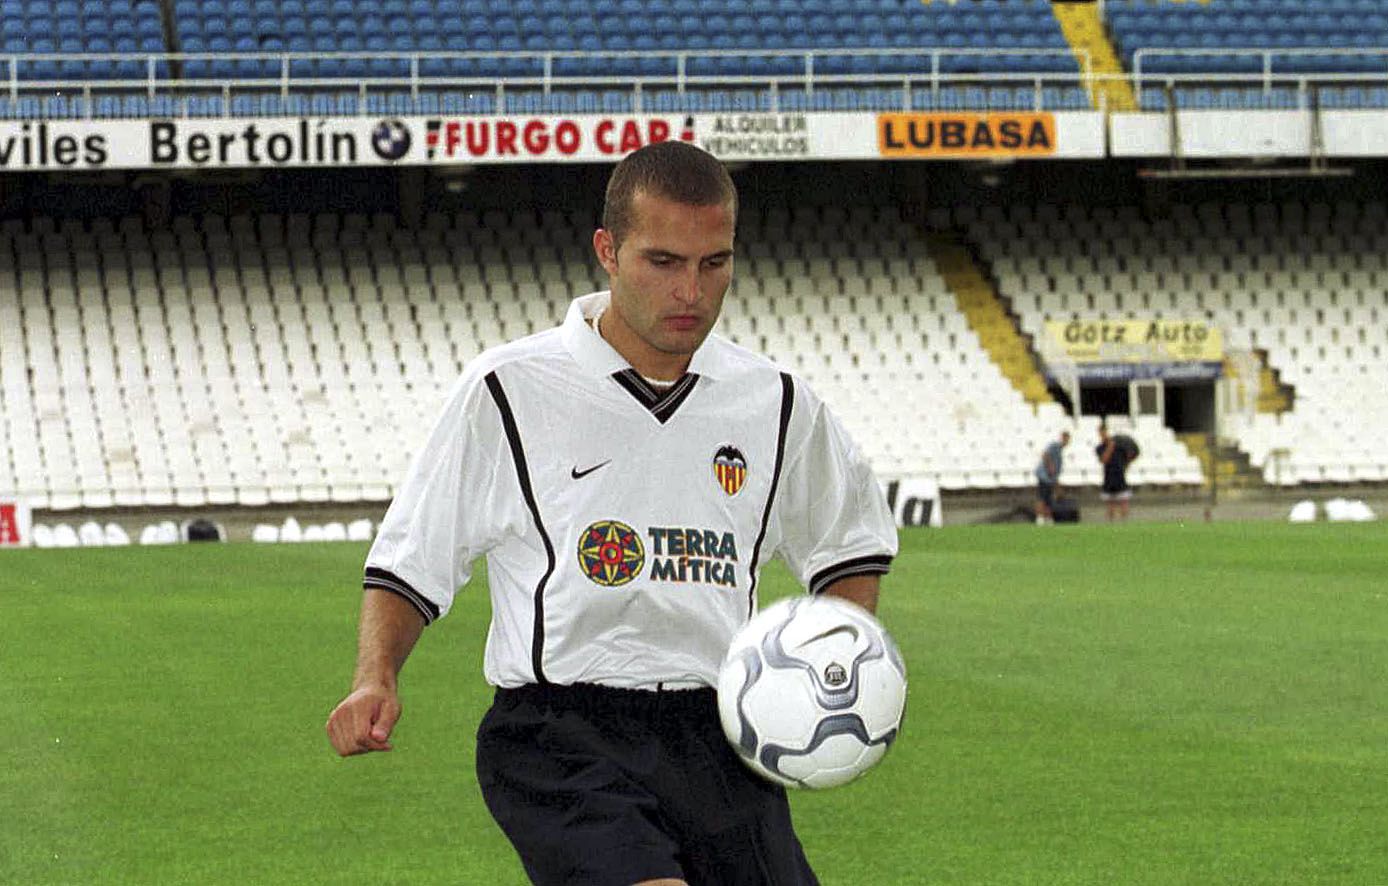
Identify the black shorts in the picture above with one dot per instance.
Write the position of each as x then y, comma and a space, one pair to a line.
1046, 492
1115, 484
609, 787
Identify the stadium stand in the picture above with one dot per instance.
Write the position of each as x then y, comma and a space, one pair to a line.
246, 359
1304, 37
93, 28
1267, 43
1302, 285
291, 57
243, 359
604, 34
556, 56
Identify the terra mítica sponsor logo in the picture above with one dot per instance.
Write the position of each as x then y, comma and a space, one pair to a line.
612, 554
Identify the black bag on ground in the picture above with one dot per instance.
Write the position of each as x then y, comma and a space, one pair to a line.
1065, 511
203, 530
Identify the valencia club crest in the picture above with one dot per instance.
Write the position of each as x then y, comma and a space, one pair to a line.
610, 553
730, 469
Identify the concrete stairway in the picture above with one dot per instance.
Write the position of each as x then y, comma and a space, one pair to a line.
1084, 30
1273, 394
1225, 466
983, 307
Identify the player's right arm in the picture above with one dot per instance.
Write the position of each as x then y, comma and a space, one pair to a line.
450, 509
362, 722
1107, 454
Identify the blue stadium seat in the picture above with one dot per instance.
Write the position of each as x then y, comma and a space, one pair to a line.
106, 106
60, 106
23, 106
245, 105
1234, 24
426, 103
204, 106
611, 26
616, 102
467, 103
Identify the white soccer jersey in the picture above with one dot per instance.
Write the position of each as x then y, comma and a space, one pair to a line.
624, 528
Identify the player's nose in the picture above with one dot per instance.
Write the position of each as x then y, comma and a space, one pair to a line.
687, 289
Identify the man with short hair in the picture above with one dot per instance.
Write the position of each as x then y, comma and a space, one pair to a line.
627, 475
1048, 477
1116, 453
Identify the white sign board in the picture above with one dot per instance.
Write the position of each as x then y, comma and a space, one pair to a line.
914, 501
1210, 134
290, 142
15, 523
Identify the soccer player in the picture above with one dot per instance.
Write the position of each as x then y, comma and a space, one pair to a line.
627, 475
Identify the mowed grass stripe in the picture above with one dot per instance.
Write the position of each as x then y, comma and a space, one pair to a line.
1137, 704
1091, 704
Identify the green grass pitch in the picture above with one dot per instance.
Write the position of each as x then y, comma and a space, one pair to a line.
1138, 704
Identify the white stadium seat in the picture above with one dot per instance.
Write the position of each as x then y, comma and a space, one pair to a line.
243, 360
1314, 315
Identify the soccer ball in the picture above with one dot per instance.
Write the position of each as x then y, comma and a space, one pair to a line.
811, 692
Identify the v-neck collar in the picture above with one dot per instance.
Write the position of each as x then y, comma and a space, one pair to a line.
596, 356
662, 404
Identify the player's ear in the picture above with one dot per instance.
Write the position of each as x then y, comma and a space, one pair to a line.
606, 249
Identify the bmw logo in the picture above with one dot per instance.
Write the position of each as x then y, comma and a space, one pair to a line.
390, 139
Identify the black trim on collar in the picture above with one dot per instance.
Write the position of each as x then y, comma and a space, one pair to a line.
872, 565
662, 404
508, 422
636, 386
787, 401
386, 580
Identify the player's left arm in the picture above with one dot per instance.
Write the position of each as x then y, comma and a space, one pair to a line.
837, 533
860, 589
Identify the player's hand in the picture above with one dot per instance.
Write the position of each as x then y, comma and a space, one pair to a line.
362, 722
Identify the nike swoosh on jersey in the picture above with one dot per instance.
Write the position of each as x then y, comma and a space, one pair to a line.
577, 474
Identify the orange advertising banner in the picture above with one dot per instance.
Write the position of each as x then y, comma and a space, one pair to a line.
999, 134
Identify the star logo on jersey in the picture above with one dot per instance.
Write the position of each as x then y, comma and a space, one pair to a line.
730, 469
610, 553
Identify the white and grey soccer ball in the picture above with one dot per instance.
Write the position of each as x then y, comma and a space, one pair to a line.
811, 692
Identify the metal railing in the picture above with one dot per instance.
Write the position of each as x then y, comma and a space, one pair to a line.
644, 93
1264, 57
800, 70
803, 72
1286, 92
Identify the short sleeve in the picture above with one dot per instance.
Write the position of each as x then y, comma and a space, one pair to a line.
833, 518
450, 508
